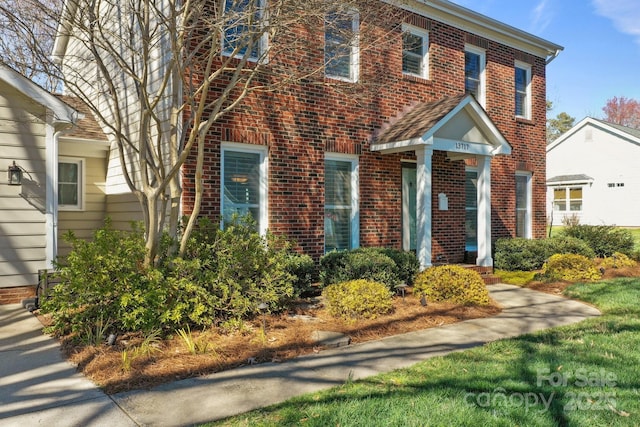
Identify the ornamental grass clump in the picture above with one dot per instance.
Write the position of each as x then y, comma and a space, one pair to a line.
452, 283
358, 299
570, 267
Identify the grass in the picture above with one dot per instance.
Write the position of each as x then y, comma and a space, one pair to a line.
576, 375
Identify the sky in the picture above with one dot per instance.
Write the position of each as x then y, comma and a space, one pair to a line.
601, 40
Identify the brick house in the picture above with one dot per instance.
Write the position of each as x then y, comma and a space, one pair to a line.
443, 155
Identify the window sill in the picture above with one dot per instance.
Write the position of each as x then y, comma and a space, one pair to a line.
525, 121
416, 79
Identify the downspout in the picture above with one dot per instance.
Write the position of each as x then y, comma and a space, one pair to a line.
554, 56
51, 192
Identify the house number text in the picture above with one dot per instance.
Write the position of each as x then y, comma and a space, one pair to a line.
462, 146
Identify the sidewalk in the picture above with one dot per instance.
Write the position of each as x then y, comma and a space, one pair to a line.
38, 387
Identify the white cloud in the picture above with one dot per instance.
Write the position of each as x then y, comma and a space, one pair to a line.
625, 15
541, 17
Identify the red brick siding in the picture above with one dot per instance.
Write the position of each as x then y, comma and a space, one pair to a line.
300, 124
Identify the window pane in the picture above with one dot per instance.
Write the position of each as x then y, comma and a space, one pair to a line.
68, 184
339, 40
241, 184
412, 53
521, 91
241, 28
575, 193
471, 210
338, 211
522, 208
472, 69
521, 192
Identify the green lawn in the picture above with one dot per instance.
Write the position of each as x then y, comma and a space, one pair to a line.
579, 375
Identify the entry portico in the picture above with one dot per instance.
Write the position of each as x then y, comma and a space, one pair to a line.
460, 127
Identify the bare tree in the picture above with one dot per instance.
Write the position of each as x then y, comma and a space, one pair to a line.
27, 31
158, 74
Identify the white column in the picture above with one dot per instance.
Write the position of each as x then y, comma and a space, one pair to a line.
484, 212
423, 205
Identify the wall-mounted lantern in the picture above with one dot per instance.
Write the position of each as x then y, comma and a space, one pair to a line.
15, 174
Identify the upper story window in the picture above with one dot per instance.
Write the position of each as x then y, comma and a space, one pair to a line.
474, 67
523, 90
415, 50
243, 34
341, 55
70, 172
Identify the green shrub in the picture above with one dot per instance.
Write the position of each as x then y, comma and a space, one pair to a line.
406, 262
103, 280
617, 260
452, 283
520, 254
570, 267
358, 299
605, 240
226, 274
304, 272
389, 266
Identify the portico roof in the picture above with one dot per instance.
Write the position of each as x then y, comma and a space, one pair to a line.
456, 124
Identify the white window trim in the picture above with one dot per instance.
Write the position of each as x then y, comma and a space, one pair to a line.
81, 184
263, 43
483, 66
567, 198
263, 191
424, 63
527, 104
354, 57
528, 232
355, 193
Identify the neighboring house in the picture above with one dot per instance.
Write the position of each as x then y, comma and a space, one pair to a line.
593, 174
61, 157
446, 156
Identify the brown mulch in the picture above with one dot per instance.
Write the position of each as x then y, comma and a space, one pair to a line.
130, 365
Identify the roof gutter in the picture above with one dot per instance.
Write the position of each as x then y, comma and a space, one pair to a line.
553, 56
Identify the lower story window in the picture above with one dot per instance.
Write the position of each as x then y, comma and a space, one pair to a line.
244, 184
523, 205
70, 184
341, 229
471, 210
567, 199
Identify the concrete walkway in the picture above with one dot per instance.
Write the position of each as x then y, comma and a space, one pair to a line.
38, 387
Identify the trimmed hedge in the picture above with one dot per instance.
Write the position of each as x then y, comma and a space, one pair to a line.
522, 254
452, 283
384, 265
358, 299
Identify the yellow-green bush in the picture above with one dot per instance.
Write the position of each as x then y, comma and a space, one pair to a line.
617, 260
570, 267
451, 283
518, 278
358, 299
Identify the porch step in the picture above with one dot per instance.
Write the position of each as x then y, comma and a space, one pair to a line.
486, 273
